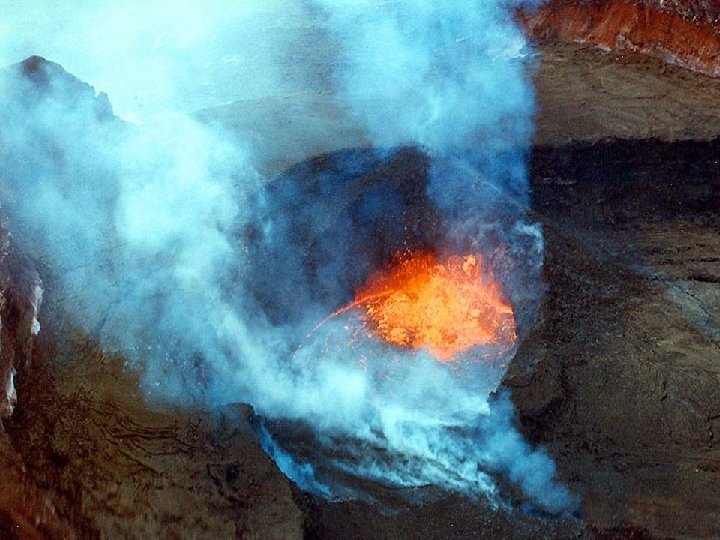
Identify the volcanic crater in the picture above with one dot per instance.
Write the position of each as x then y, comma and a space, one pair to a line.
616, 373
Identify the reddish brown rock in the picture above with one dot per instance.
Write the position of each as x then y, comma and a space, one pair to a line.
25, 510
20, 298
682, 32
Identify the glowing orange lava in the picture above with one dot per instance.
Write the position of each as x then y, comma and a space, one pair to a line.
446, 306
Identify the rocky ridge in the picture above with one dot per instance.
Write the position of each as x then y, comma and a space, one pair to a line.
681, 32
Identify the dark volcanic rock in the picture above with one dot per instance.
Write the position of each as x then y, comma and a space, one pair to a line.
20, 298
40, 79
621, 375
452, 516
117, 466
25, 510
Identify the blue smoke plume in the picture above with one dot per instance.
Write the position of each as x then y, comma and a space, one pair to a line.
170, 244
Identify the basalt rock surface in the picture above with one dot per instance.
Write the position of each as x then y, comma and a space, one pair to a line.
589, 95
117, 466
621, 377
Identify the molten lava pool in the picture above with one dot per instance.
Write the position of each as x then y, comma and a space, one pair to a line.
446, 306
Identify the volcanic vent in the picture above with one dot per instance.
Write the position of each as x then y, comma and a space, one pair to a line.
211, 279
395, 282
387, 248
387, 261
444, 305
397, 303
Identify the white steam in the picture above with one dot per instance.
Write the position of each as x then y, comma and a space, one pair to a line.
164, 56
446, 75
36, 302
10, 393
144, 225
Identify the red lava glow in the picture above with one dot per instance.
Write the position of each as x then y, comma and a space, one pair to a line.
445, 306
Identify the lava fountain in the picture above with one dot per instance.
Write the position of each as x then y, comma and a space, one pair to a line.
445, 305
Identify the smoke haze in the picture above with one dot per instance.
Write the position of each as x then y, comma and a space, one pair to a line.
166, 56
172, 247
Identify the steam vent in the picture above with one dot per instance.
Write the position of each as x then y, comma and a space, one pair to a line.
360, 270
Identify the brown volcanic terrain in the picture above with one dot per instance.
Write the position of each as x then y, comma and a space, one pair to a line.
682, 32
26, 511
620, 377
585, 94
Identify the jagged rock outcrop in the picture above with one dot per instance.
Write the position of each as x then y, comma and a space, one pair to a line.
26, 511
682, 32
21, 87
20, 297
36, 78
84, 455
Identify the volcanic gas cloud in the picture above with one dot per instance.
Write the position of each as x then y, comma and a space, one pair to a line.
172, 247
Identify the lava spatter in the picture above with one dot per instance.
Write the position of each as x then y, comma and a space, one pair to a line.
445, 305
